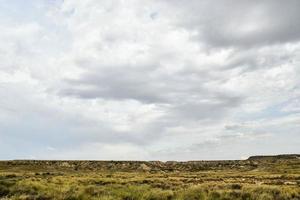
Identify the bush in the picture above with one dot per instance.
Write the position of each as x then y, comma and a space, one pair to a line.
193, 194
236, 186
4, 191
11, 176
214, 196
160, 195
246, 196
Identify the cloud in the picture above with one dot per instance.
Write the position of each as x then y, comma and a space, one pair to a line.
239, 24
151, 79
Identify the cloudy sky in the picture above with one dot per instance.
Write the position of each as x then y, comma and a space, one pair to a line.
149, 79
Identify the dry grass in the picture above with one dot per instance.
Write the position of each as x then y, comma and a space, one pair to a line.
269, 180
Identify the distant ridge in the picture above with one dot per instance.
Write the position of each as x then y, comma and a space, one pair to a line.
253, 162
274, 157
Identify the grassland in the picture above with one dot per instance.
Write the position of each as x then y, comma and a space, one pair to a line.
259, 178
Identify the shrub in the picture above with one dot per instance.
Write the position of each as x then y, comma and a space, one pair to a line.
193, 194
236, 186
160, 195
214, 195
246, 196
4, 191
11, 176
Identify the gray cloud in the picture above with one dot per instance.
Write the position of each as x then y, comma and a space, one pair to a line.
240, 23
183, 96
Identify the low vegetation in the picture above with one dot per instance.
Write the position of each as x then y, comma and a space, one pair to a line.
258, 178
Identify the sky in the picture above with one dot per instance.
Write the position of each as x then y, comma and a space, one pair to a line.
149, 79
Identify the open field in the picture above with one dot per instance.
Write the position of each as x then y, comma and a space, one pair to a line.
261, 178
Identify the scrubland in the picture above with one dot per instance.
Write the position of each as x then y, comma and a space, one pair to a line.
259, 178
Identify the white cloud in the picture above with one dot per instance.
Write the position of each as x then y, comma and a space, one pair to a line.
148, 80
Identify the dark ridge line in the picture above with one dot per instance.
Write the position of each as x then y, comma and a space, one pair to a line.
256, 157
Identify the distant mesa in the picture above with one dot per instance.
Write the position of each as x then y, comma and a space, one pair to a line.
275, 157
